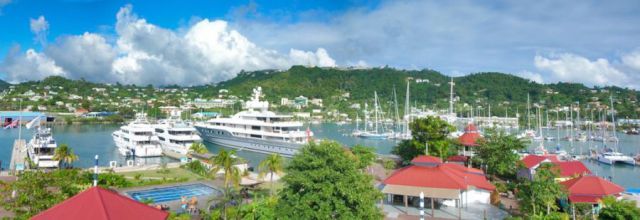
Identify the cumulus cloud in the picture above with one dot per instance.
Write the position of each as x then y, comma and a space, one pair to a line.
40, 28
30, 65
567, 67
536, 77
632, 60
144, 53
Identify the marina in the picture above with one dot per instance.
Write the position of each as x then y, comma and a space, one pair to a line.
89, 140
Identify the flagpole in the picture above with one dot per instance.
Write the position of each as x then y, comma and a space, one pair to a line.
95, 173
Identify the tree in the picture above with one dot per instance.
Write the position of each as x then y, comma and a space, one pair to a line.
36, 191
199, 148
430, 130
365, 155
225, 161
543, 191
324, 182
498, 151
262, 208
65, 155
272, 165
619, 209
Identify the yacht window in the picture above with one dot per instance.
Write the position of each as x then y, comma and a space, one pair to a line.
255, 127
256, 136
159, 130
161, 138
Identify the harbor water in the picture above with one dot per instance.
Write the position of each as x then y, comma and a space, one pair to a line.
90, 140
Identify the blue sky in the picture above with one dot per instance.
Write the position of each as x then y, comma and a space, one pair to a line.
195, 42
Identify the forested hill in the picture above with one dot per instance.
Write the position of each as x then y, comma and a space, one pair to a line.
428, 87
3, 85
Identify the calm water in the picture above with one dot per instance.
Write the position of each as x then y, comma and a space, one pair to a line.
89, 140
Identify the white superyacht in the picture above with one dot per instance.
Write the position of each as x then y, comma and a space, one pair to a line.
256, 129
41, 149
137, 139
176, 135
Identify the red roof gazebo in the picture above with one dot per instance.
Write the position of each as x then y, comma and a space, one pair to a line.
470, 136
97, 203
590, 189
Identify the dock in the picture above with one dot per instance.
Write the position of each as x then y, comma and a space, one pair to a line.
18, 156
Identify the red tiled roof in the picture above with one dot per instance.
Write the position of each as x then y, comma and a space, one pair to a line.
426, 159
470, 136
458, 158
471, 128
531, 160
590, 188
447, 175
571, 168
100, 204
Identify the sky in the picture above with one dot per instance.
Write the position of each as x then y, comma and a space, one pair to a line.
207, 41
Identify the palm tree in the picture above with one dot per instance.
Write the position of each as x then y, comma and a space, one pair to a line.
273, 165
199, 148
65, 155
225, 161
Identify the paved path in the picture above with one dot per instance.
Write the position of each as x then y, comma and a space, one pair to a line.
18, 154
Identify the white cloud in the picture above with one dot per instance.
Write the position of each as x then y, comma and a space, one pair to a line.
632, 60
29, 66
568, 67
143, 53
536, 77
39, 27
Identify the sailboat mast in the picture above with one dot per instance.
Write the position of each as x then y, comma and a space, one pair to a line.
613, 119
395, 102
528, 113
375, 109
451, 97
407, 111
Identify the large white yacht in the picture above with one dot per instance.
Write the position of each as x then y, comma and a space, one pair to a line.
176, 135
613, 157
256, 129
41, 149
137, 139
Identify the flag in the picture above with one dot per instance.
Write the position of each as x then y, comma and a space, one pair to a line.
33, 122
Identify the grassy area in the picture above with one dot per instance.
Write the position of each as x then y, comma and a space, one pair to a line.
155, 177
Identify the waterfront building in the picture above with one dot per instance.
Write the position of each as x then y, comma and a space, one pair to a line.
448, 184
97, 203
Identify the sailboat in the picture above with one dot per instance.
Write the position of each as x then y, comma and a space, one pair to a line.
377, 132
528, 133
610, 155
403, 133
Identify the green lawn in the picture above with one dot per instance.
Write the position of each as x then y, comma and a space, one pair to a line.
153, 177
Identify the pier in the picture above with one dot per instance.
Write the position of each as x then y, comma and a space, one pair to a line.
18, 155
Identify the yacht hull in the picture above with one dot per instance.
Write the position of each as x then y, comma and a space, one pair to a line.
223, 138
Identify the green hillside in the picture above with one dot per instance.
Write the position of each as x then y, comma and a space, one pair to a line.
4, 85
429, 88
504, 92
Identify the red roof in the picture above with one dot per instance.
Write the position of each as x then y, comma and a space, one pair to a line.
426, 159
571, 168
458, 158
470, 136
446, 175
96, 203
590, 189
531, 160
